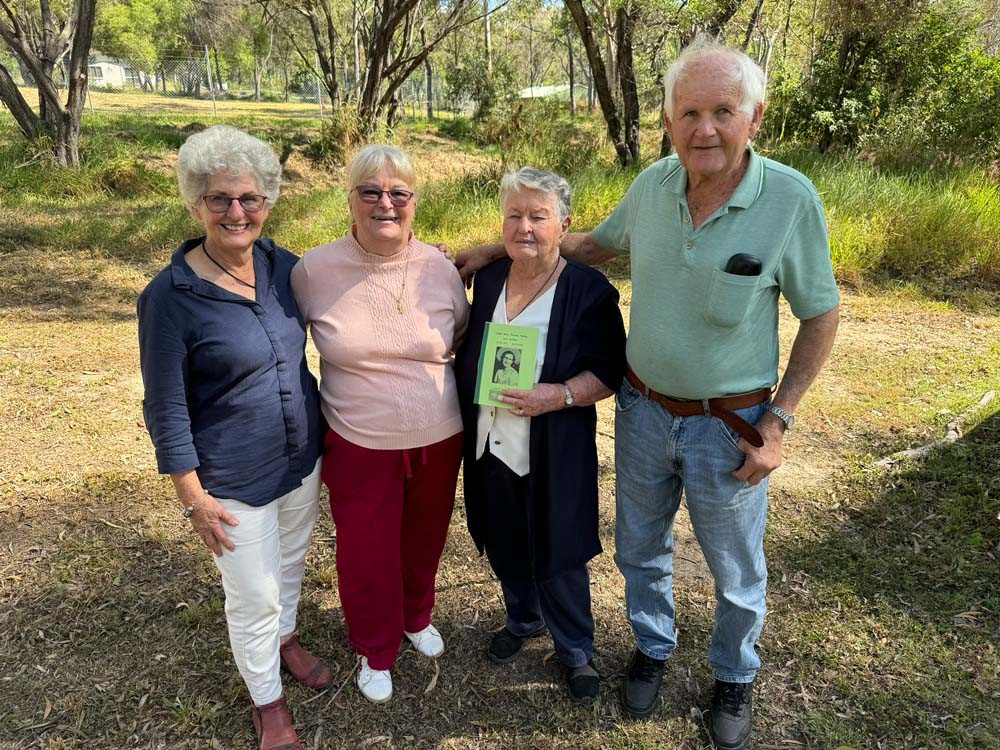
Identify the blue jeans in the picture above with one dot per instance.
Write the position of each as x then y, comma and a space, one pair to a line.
657, 455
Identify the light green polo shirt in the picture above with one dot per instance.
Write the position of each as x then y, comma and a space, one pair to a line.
699, 332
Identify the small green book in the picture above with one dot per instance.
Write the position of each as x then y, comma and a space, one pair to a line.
506, 362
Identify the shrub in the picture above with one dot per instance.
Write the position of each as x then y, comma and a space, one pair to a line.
541, 133
129, 178
459, 128
339, 133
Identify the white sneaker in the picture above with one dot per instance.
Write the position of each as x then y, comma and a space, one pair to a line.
427, 642
374, 684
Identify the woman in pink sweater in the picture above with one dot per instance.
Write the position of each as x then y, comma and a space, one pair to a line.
386, 313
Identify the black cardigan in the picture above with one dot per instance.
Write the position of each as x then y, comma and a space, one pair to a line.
585, 333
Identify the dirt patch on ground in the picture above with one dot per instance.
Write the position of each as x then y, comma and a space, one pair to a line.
111, 616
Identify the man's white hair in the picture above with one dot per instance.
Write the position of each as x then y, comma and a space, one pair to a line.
745, 71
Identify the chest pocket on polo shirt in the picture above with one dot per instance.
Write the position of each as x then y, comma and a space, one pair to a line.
729, 298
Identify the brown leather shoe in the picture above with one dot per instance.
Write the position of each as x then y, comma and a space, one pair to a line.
273, 725
303, 666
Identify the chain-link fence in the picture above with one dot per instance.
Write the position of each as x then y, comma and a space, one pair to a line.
198, 84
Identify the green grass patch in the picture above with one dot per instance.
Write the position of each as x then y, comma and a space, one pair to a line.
900, 641
938, 227
941, 224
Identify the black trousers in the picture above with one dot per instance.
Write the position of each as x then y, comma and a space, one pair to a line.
561, 602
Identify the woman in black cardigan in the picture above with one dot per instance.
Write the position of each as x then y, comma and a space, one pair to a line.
531, 470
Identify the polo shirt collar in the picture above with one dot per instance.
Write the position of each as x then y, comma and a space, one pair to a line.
751, 184
676, 181
184, 277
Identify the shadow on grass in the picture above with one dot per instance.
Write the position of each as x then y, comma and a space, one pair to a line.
901, 644
47, 285
113, 635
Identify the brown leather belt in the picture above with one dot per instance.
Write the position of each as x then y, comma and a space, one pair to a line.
722, 407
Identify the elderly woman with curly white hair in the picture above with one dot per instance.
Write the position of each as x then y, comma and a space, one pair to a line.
233, 411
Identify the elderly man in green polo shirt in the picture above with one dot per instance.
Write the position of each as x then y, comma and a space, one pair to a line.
714, 233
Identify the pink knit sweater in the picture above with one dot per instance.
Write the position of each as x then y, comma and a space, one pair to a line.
385, 328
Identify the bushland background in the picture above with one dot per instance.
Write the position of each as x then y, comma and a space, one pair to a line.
884, 604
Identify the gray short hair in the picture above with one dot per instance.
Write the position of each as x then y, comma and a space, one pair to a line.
223, 149
745, 71
538, 179
375, 157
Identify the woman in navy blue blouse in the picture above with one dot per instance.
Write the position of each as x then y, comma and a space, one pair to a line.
233, 411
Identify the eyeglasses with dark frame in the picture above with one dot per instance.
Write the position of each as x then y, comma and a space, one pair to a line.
219, 204
371, 194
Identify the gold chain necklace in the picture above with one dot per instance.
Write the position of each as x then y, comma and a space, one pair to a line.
402, 292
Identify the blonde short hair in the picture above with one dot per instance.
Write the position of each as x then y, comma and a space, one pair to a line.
375, 157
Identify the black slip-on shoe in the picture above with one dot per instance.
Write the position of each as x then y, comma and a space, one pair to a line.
584, 683
504, 645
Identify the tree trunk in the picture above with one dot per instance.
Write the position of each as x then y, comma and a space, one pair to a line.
27, 121
625, 26
488, 39
752, 24
723, 15
665, 144
326, 48
218, 73
346, 71
572, 94
608, 107
390, 64
41, 54
428, 78
356, 21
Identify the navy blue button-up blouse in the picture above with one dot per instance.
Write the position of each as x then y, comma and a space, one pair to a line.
227, 388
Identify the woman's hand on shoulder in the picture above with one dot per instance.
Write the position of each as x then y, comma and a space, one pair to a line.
541, 399
208, 518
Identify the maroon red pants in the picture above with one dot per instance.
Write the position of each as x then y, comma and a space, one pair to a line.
391, 509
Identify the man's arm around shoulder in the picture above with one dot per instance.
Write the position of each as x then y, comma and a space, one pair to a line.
578, 246
583, 248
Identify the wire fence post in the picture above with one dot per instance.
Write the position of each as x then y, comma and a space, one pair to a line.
211, 88
319, 87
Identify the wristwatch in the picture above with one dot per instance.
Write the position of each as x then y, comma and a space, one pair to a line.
787, 419
569, 395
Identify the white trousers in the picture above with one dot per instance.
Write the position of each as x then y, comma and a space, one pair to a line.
262, 579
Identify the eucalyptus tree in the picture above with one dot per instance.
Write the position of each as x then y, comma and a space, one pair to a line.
40, 37
619, 103
399, 35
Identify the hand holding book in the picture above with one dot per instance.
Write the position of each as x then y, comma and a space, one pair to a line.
542, 398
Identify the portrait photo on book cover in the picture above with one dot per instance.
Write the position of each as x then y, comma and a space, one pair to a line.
506, 367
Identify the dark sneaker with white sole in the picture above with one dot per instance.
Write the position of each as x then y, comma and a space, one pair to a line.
732, 715
641, 688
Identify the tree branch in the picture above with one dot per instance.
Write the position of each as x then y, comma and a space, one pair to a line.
10, 95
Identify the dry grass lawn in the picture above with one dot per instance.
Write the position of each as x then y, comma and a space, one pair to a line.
883, 630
